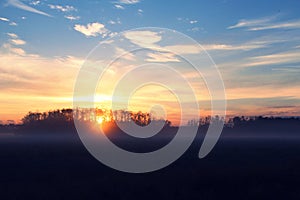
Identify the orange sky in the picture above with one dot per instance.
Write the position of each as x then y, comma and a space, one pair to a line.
47, 84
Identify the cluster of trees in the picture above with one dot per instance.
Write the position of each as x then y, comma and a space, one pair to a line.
140, 118
265, 124
206, 121
64, 115
52, 121
63, 119
93, 115
252, 124
84, 114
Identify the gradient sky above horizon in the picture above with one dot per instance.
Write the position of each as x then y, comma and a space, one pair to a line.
255, 44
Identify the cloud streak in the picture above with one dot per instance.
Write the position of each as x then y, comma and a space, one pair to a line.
4, 19
251, 23
162, 57
228, 47
266, 23
18, 41
12, 35
13, 50
284, 25
71, 17
117, 6
15, 39
13, 24
22, 6
274, 59
129, 1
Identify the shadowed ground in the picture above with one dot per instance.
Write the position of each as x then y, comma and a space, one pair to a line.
50, 167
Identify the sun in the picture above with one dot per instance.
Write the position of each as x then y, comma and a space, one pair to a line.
100, 120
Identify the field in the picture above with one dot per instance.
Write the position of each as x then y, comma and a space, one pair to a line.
59, 167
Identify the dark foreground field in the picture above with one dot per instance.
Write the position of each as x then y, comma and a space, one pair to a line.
47, 167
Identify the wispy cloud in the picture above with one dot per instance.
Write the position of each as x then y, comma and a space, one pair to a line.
251, 22
195, 29
283, 25
282, 106
194, 49
187, 20
265, 24
229, 47
66, 8
4, 19
191, 23
13, 50
12, 35
18, 41
112, 22
274, 59
71, 17
15, 40
162, 57
120, 4
129, 1
22, 6
146, 39
92, 29
287, 69
183, 49
35, 3
119, 7
7, 20
140, 12
13, 24
125, 54
150, 39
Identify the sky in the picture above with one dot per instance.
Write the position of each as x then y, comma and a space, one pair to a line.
255, 45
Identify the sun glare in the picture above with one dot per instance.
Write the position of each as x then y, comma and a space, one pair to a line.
100, 120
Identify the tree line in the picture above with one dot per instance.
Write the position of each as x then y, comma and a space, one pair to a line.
62, 120
88, 115
255, 124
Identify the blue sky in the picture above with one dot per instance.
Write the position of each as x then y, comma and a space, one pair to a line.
211, 20
256, 45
